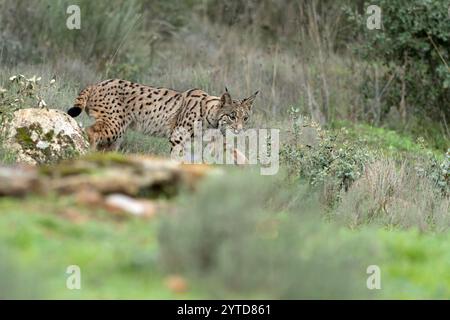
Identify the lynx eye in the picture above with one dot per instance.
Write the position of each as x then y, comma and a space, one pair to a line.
232, 116
246, 118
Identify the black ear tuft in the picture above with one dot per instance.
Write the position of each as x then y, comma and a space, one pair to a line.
226, 98
250, 99
74, 111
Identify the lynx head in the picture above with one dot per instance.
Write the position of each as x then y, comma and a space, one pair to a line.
234, 114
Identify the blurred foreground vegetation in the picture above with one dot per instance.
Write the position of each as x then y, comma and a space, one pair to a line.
260, 244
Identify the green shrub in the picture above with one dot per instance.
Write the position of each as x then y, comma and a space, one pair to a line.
20, 92
412, 52
331, 162
436, 171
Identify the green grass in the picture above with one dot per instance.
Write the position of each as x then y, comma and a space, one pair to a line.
389, 142
135, 142
416, 265
119, 258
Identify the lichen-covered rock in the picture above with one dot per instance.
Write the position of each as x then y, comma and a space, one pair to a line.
45, 136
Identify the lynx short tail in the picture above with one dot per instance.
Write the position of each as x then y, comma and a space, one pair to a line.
80, 102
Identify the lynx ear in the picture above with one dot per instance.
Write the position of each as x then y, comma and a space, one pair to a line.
248, 102
226, 98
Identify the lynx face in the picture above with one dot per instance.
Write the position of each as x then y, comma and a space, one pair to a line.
233, 115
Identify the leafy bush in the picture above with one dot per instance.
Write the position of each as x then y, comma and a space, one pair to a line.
250, 250
328, 161
413, 47
436, 171
360, 187
20, 92
23, 92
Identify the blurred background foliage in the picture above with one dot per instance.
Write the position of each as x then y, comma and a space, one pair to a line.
318, 56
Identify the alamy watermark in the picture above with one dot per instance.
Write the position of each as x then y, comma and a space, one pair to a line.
213, 146
373, 22
73, 21
374, 280
73, 281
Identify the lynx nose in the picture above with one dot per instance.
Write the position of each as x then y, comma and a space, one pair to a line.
238, 129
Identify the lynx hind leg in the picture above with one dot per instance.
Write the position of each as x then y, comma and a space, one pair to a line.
103, 138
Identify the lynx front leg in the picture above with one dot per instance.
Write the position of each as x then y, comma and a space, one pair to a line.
239, 157
180, 140
114, 146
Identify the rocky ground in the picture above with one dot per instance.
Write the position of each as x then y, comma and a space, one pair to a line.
115, 181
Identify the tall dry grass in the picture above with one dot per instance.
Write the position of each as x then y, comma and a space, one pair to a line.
160, 44
394, 195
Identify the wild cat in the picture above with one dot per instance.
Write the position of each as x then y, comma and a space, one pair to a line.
117, 105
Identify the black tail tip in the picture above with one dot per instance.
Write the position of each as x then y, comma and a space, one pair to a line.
74, 111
